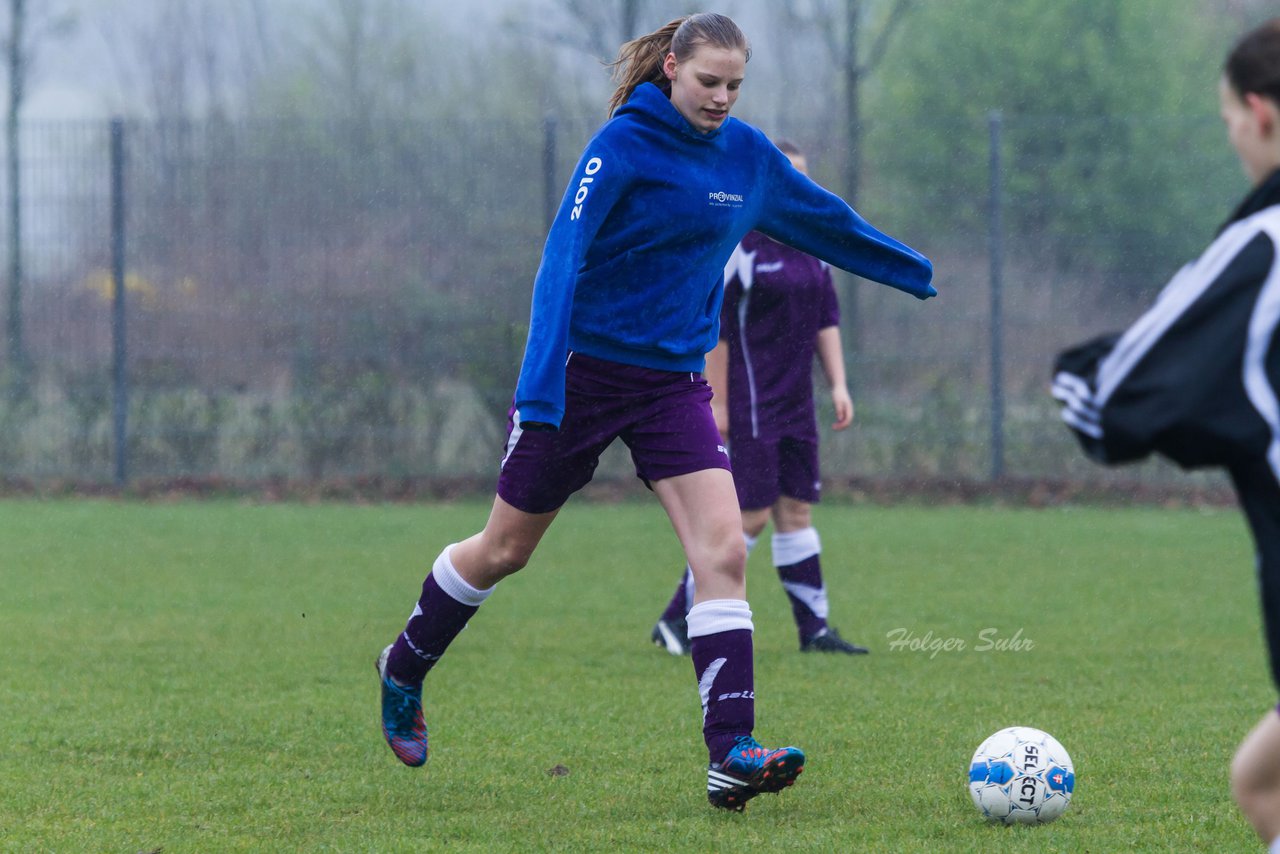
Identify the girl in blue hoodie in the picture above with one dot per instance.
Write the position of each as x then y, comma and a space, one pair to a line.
626, 304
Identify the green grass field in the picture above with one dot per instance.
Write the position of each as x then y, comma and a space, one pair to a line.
199, 677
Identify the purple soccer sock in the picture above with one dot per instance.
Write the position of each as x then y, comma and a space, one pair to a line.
720, 638
795, 555
680, 600
446, 604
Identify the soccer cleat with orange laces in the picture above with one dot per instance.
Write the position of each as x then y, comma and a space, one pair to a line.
402, 724
749, 770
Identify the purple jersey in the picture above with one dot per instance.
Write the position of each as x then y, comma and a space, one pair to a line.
776, 300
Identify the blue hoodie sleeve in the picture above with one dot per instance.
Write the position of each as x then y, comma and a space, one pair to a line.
803, 215
598, 181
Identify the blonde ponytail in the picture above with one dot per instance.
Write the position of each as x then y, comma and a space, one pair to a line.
640, 61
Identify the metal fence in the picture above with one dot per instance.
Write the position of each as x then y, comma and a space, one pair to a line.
309, 301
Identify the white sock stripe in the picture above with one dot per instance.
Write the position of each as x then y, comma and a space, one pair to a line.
718, 615
704, 683
795, 546
453, 584
814, 598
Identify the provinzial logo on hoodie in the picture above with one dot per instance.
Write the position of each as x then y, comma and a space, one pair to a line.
721, 199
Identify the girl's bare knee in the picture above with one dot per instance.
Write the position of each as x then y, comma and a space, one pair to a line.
510, 557
730, 561
1255, 785
502, 555
790, 514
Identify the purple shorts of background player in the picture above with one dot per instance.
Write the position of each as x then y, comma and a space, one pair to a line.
768, 468
663, 417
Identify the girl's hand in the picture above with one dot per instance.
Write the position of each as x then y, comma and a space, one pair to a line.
844, 407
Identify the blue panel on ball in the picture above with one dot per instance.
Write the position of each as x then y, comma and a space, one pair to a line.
978, 772
999, 772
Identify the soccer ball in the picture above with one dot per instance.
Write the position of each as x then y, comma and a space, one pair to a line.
1021, 775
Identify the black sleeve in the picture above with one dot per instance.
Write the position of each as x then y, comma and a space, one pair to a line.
1075, 374
1175, 383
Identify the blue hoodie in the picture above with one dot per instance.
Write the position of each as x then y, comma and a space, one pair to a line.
633, 267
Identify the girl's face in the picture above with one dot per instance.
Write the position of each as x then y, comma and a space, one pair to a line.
1253, 126
705, 86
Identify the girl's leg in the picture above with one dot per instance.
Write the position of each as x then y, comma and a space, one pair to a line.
1255, 771
1255, 779
703, 508
796, 556
753, 522
461, 578
503, 547
671, 631
796, 550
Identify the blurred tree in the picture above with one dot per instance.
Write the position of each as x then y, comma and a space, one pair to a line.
189, 59
17, 89
358, 60
1243, 14
22, 41
855, 35
583, 35
398, 160
1097, 136
183, 63
593, 26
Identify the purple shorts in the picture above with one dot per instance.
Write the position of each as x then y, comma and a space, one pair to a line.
765, 469
663, 417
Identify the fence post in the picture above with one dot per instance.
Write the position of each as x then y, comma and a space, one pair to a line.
119, 376
995, 248
550, 190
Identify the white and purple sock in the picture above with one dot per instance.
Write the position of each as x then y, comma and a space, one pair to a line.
446, 604
720, 640
795, 555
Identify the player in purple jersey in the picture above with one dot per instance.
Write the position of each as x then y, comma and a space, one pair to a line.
780, 311
625, 306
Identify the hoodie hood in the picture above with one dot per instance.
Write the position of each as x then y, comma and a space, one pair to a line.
651, 104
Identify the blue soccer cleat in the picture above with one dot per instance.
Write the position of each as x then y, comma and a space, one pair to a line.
749, 770
402, 722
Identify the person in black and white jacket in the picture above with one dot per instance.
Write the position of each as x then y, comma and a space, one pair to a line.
1197, 377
